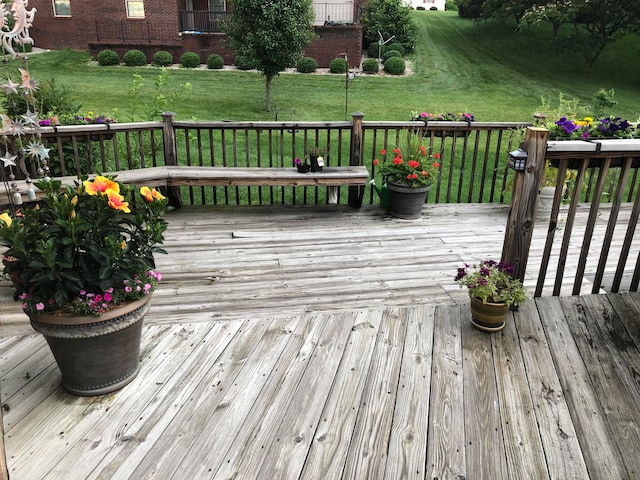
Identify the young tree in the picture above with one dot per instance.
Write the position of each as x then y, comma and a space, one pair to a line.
272, 34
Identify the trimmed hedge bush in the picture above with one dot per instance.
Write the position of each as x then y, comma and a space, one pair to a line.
215, 62
162, 58
190, 60
134, 58
307, 65
397, 46
389, 54
243, 63
370, 65
108, 57
374, 48
394, 66
338, 65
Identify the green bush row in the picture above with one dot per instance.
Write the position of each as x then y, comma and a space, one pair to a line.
162, 58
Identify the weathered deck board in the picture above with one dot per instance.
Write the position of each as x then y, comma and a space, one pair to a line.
395, 392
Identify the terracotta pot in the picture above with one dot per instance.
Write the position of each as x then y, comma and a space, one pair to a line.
96, 354
488, 317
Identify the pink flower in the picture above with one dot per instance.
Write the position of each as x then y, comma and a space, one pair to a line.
40, 306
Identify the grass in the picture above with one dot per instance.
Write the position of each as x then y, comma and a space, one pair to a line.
484, 68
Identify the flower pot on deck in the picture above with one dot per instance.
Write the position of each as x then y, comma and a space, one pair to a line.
405, 201
488, 317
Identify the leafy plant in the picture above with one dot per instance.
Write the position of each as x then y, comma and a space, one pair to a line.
190, 60
390, 18
395, 66
134, 58
162, 58
215, 62
370, 65
96, 239
108, 57
307, 65
492, 282
390, 54
338, 65
412, 164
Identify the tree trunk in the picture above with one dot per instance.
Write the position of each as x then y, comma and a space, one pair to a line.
269, 78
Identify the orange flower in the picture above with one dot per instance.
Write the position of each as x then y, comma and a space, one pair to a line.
413, 163
436, 156
383, 152
376, 162
151, 194
116, 201
397, 161
425, 173
423, 150
397, 151
100, 184
436, 164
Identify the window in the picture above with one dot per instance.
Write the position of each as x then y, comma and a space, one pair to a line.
61, 8
217, 5
135, 8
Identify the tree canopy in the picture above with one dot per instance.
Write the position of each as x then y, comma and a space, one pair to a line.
272, 35
390, 18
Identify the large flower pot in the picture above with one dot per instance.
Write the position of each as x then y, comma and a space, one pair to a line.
405, 201
488, 317
96, 354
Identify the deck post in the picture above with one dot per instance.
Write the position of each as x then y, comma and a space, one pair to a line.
170, 155
524, 202
356, 192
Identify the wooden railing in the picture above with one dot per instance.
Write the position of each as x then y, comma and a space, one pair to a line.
596, 166
473, 156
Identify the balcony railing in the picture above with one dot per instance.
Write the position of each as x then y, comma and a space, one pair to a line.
201, 21
328, 13
128, 31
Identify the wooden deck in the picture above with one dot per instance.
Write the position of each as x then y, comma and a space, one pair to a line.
327, 343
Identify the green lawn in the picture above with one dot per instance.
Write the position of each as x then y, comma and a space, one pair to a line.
459, 65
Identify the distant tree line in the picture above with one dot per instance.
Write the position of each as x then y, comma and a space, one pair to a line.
593, 23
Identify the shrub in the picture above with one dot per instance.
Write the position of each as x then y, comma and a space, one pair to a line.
49, 99
397, 46
370, 65
307, 65
394, 66
190, 60
243, 63
134, 58
390, 54
162, 58
374, 48
338, 65
108, 57
215, 62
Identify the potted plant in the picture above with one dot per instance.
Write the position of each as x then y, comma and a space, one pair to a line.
302, 167
82, 265
316, 158
408, 176
492, 292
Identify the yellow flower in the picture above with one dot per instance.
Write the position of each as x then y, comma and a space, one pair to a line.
123, 245
5, 218
116, 201
73, 214
74, 200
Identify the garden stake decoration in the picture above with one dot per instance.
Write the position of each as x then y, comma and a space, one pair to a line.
18, 149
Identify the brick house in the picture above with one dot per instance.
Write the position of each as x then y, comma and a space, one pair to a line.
178, 26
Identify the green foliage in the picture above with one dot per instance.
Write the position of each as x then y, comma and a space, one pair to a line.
492, 282
338, 65
602, 102
49, 99
395, 66
162, 58
244, 63
134, 58
190, 60
108, 57
161, 98
370, 65
470, 8
277, 41
389, 17
390, 54
375, 50
398, 47
307, 65
215, 62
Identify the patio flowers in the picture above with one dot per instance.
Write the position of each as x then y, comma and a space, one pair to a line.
587, 128
492, 292
81, 262
408, 176
442, 117
80, 244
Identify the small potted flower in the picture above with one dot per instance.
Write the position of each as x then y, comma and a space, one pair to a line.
302, 167
81, 263
408, 176
492, 292
316, 157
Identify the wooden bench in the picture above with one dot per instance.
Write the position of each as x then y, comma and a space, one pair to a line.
177, 176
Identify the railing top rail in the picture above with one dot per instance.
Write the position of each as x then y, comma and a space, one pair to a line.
259, 125
98, 127
449, 125
593, 148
